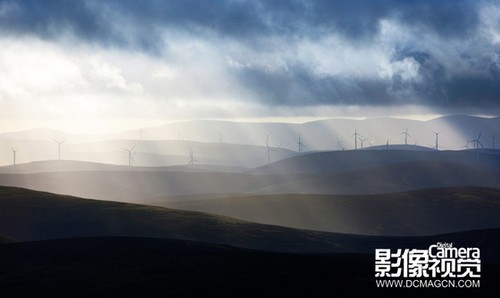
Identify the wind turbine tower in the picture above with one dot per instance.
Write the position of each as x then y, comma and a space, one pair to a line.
406, 134
301, 145
59, 143
356, 135
14, 155
269, 150
131, 155
437, 139
191, 158
477, 142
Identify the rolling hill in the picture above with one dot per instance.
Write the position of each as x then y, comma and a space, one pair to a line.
148, 153
28, 215
353, 160
50, 166
140, 186
420, 212
398, 177
169, 144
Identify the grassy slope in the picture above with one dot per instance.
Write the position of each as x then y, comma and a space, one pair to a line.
420, 212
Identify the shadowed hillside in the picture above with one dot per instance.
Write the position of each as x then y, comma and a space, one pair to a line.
397, 177
353, 160
28, 215
421, 212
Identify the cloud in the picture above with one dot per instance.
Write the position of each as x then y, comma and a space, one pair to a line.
115, 21
442, 54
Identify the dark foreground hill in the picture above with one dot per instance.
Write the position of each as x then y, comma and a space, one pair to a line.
421, 212
29, 215
4, 239
138, 267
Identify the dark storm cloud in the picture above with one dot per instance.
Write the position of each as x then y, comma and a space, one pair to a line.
299, 86
139, 25
101, 20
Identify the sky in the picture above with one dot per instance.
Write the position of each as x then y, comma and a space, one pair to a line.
120, 64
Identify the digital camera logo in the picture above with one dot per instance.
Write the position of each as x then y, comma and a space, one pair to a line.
440, 264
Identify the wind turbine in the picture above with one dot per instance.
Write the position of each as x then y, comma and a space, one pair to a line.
362, 142
477, 142
269, 150
301, 145
356, 135
406, 134
339, 144
437, 139
372, 142
191, 158
131, 155
59, 143
466, 145
387, 145
14, 155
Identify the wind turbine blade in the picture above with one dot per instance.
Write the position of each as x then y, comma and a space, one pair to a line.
132, 147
